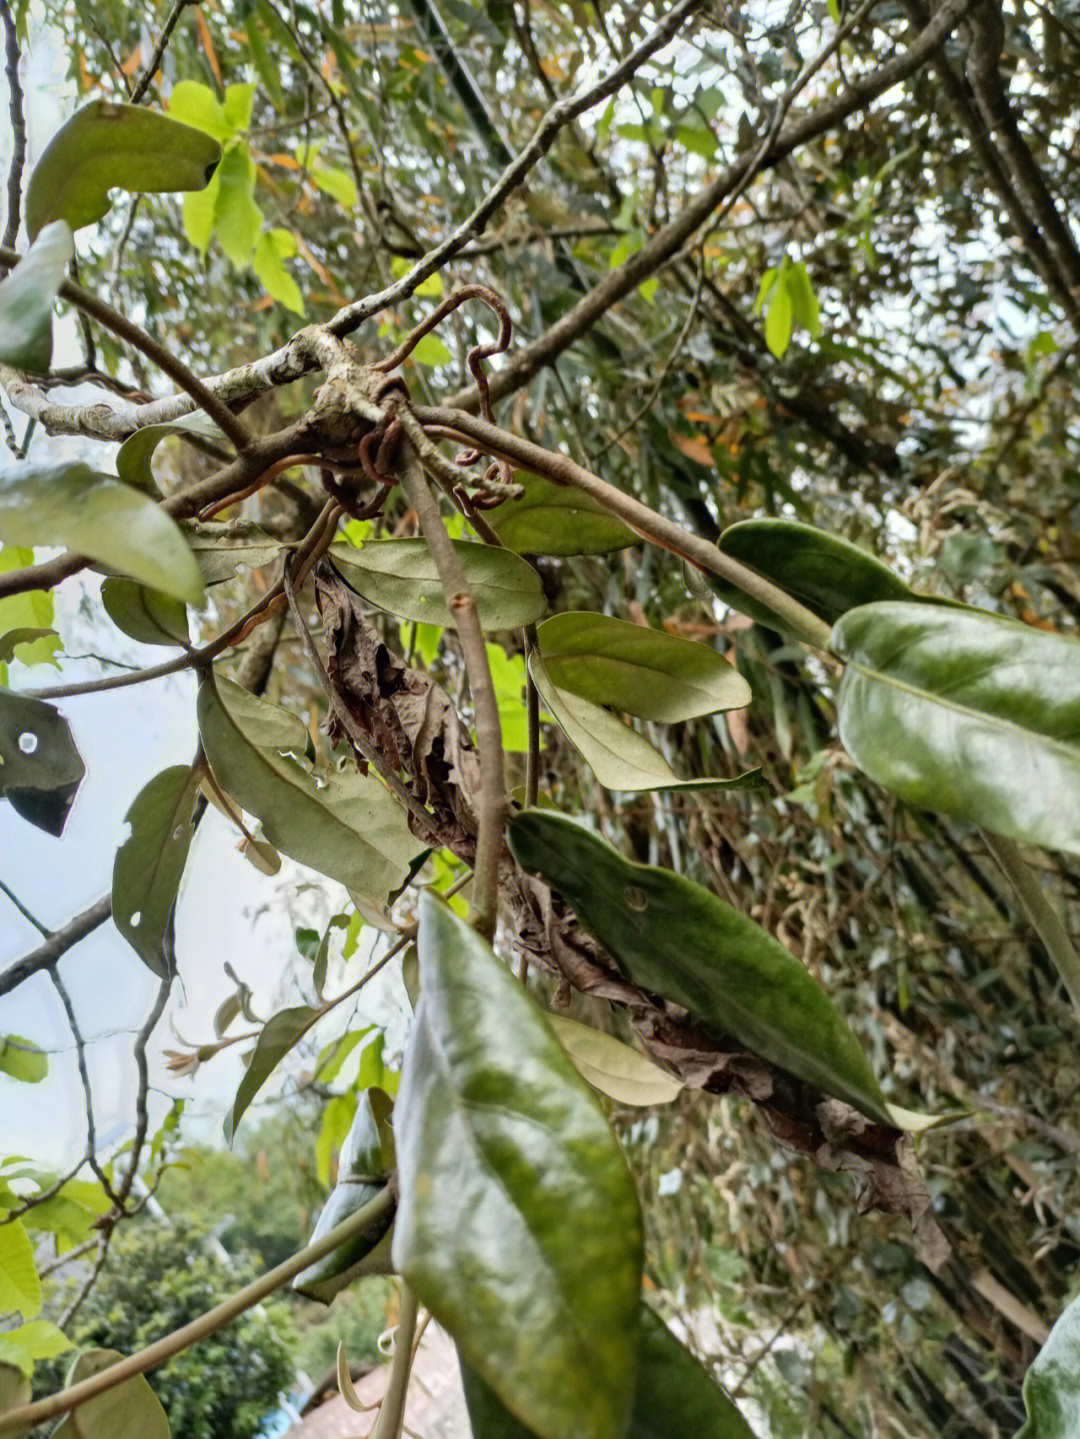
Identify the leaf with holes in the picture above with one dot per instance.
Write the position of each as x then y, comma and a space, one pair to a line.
675, 939
26, 300
518, 1224
401, 576
350, 829
967, 713
40, 768
638, 670
105, 146
613, 1067
221, 550
150, 863
22, 1059
131, 1410
618, 756
279, 1034
144, 614
552, 519
73, 505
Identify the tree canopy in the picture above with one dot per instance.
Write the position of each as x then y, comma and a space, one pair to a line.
611, 474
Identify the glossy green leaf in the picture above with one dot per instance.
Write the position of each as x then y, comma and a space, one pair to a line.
22, 1347
640, 671
40, 768
518, 1223
131, 1410
133, 458
26, 300
967, 713
676, 1394
613, 1067
94, 515
14, 1393
279, 1035
675, 1397
150, 863
144, 614
552, 519
20, 1287
826, 574
22, 1059
675, 939
1052, 1382
104, 146
618, 756
221, 550
400, 576
365, 1164
350, 828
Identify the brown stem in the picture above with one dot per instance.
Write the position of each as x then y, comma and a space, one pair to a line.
462, 603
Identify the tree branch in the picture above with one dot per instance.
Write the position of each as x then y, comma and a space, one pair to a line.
57, 945
18, 125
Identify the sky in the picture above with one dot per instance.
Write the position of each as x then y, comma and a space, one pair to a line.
227, 911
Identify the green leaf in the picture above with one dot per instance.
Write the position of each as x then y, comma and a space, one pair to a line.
697, 139
23, 1346
26, 300
333, 1057
619, 757
144, 614
518, 1224
198, 212
1052, 1382
675, 939
131, 1410
333, 1128
20, 1288
967, 713
779, 317
640, 671
351, 829
365, 1164
150, 863
15, 1391
40, 768
238, 102
341, 186
553, 519
826, 574
273, 276
804, 305
74, 506
104, 146
22, 1059
676, 1394
430, 350
237, 218
135, 454
194, 104
765, 289
400, 576
29, 610
279, 1035
221, 549
613, 1067
11, 640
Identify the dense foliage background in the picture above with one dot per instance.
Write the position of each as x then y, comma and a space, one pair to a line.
874, 331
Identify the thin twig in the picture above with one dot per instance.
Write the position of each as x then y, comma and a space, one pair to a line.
462, 605
28, 1415
58, 944
159, 50
1041, 913
392, 1409
18, 125
84, 1078
141, 1113
532, 717
42, 929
